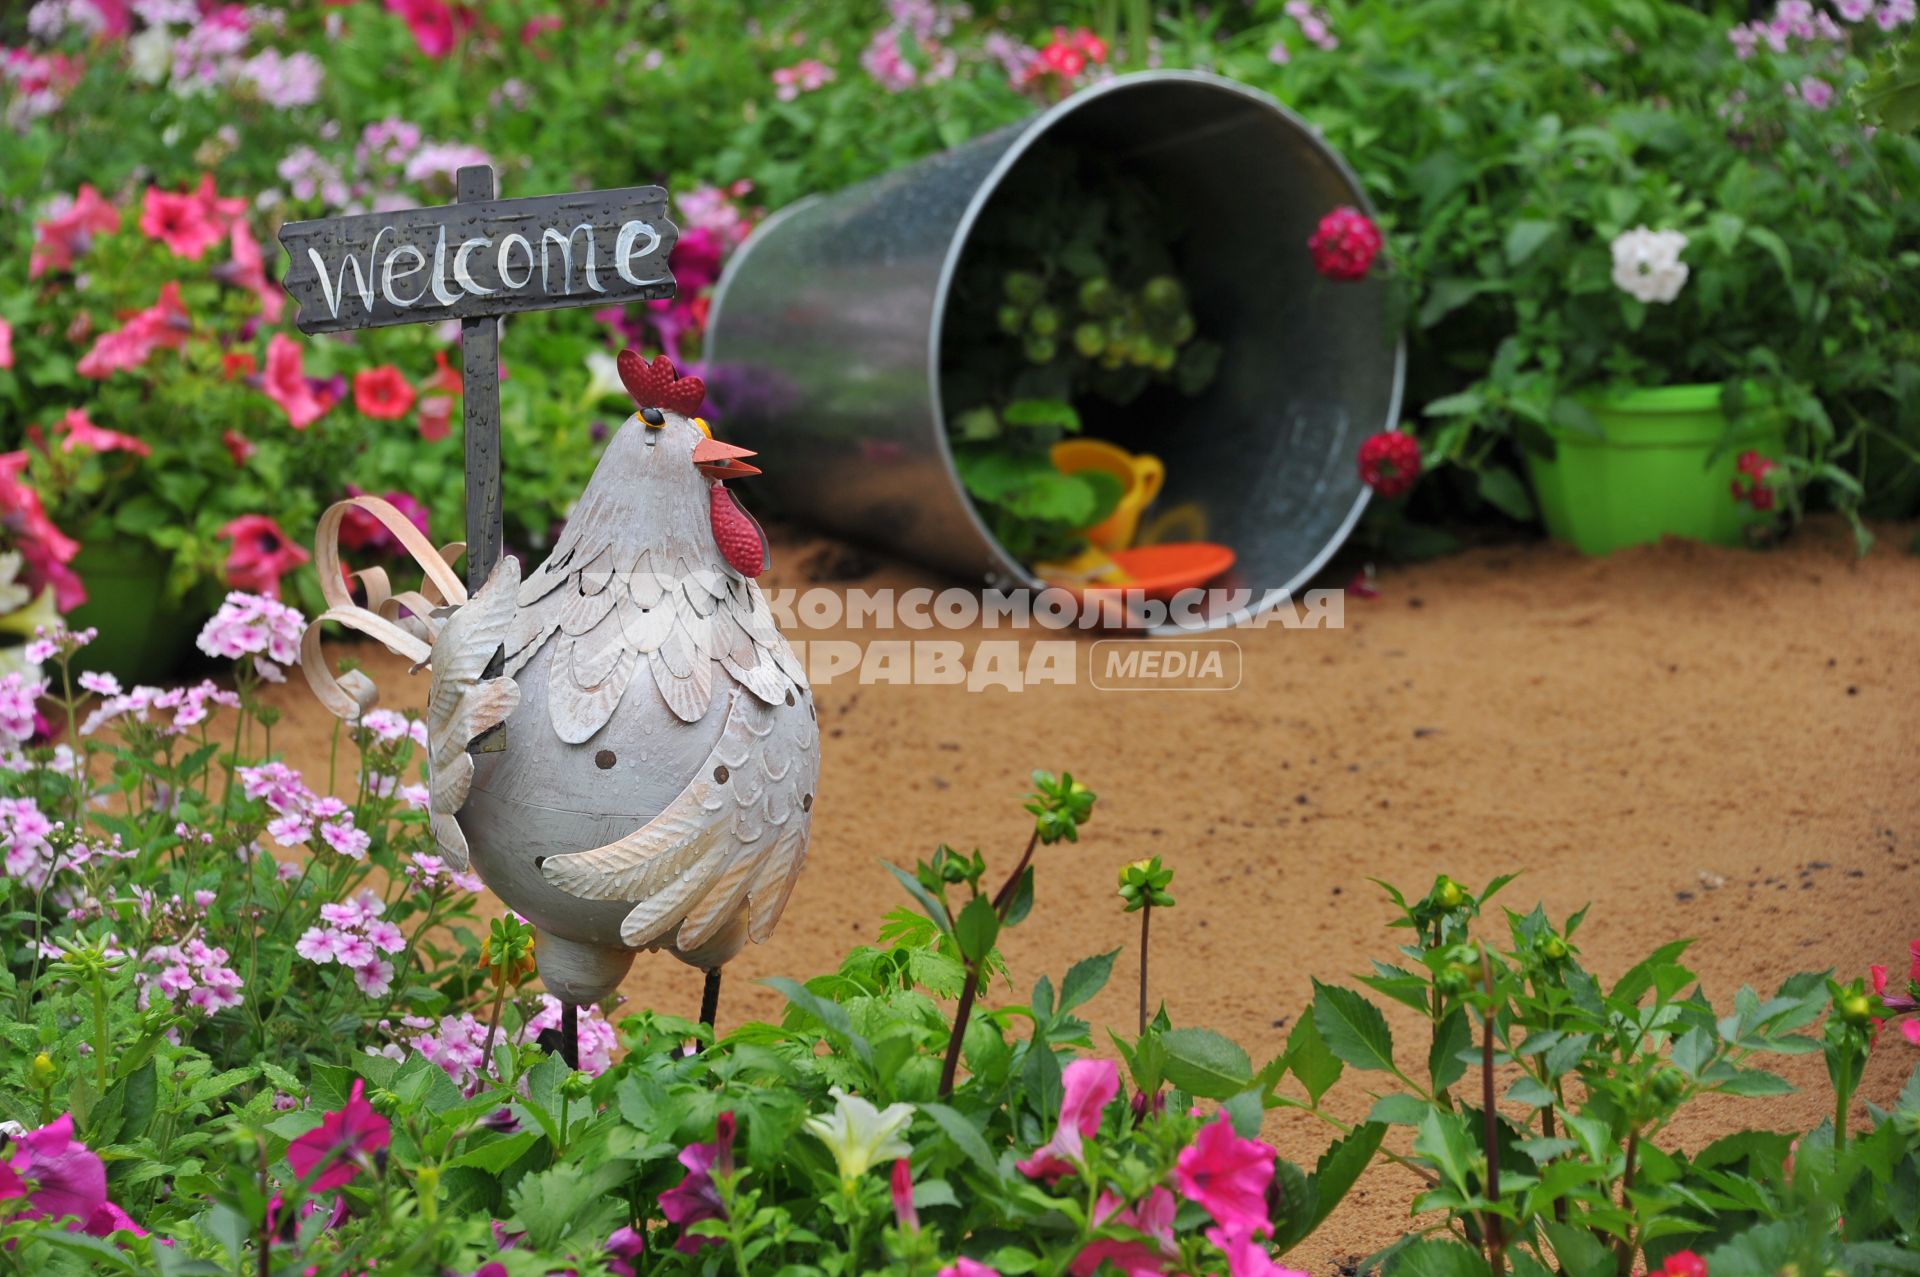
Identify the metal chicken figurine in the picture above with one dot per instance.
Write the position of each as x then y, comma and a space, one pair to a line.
656, 783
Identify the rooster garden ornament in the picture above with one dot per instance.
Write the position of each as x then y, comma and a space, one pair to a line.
657, 779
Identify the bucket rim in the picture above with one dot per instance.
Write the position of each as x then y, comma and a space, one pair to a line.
1029, 134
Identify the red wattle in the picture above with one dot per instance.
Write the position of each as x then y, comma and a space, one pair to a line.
741, 542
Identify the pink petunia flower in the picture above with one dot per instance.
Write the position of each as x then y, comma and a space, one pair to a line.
180, 221
60, 1177
1229, 1176
1136, 1258
431, 22
76, 431
286, 384
261, 554
330, 1155
1246, 1256
247, 268
69, 233
161, 326
1090, 1087
695, 1198
964, 1267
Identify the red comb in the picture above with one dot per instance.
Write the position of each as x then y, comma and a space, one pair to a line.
656, 385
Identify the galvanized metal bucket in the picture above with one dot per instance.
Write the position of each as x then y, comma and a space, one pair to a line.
825, 337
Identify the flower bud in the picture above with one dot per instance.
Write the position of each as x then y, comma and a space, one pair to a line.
43, 1069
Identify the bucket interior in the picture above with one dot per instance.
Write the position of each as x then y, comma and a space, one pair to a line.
1262, 460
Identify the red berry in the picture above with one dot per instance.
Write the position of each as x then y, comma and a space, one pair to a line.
1389, 463
1761, 498
1345, 244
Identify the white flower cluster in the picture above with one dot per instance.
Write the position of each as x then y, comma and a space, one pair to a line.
1647, 264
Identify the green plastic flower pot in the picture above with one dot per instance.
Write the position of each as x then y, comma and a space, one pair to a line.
144, 635
1663, 465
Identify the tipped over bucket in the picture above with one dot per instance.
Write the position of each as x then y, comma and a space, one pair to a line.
824, 345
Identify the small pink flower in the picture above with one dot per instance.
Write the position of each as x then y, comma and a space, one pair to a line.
77, 431
1246, 1257
431, 22
286, 384
1090, 1087
248, 270
1153, 1217
161, 326
695, 1198
904, 1214
261, 554
6, 344
180, 221
964, 1267
1229, 1176
1816, 92
330, 1155
60, 239
1345, 244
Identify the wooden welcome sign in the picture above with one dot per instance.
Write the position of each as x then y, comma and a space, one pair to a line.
476, 260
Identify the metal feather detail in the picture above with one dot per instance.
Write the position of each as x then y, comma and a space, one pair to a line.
737, 834
464, 704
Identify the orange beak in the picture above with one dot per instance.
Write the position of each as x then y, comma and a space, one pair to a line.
718, 460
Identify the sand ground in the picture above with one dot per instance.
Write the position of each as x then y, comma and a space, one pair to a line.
1698, 742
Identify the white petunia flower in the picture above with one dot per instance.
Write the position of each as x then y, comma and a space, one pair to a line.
1646, 264
861, 1136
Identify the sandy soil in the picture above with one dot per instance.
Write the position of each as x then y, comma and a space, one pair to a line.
1700, 742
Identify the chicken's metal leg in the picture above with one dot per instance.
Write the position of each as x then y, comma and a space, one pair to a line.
710, 998
570, 1035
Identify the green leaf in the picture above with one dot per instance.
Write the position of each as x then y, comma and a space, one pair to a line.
975, 930
1084, 979
1770, 241
1455, 405
1451, 1037
965, 1136
1444, 1140
1525, 237
1437, 1259
831, 1014
1056, 414
1399, 1109
496, 1155
1502, 489
1341, 1165
1203, 1063
1353, 1028
1754, 1082
929, 903
1317, 1067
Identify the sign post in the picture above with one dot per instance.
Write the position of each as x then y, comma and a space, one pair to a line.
476, 260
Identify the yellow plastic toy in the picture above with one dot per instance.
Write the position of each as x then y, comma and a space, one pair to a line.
1141, 474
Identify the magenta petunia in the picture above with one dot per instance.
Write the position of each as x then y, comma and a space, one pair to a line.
1090, 1087
1229, 1176
332, 1153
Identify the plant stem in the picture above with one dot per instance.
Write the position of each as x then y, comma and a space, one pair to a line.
1624, 1263
1146, 913
1496, 1240
1002, 901
493, 1022
1842, 1101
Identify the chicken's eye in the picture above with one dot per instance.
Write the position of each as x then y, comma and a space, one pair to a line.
705, 429
653, 417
